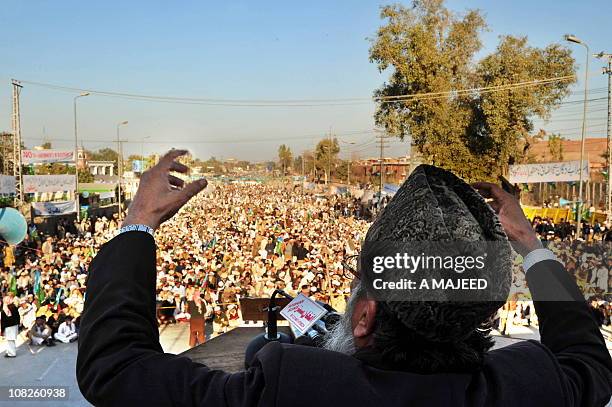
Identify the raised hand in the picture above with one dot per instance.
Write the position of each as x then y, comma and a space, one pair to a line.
161, 194
517, 226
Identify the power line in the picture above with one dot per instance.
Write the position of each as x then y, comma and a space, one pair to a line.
304, 102
224, 141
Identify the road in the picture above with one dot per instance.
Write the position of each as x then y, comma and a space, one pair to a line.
47, 366
55, 366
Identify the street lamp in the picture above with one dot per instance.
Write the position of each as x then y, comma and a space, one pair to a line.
576, 40
119, 169
76, 156
607, 70
348, 172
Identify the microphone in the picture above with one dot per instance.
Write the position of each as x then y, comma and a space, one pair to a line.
314, 335
271, 334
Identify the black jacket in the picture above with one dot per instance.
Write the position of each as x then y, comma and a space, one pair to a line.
121, 362
5, 320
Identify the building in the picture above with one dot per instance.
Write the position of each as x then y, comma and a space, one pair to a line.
101, 168
396, 170
81, 162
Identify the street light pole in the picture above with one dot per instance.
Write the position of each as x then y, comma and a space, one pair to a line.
348, 172
119, 169
608, 71
576, 40
76, 157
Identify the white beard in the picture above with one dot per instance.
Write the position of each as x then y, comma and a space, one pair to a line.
340, 337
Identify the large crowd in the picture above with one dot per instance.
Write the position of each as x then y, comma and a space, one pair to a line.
587, 257
252, 240
236, 240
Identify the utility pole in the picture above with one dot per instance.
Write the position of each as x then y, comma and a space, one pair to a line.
303, 174
314, 164
329, 152
119, 169
576, 40
76, 156
16, 125
607, 70
348, 172
382, 143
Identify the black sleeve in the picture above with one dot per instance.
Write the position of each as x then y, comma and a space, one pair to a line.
120, 361
569, 330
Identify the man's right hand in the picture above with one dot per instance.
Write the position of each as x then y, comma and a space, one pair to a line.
517, 227
160, 194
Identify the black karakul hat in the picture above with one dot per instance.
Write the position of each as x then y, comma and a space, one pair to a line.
434, 205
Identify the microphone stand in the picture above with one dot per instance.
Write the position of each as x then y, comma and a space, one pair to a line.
272, 326
271, 334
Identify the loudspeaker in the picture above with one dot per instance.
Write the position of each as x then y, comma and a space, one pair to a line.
13, 226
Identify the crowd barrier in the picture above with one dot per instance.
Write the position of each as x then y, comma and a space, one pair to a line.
559, 214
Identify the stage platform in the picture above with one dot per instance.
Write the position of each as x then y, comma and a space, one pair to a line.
226, 352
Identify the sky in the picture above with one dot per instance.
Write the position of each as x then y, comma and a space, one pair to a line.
264, 50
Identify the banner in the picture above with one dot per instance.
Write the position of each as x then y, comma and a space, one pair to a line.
46, 156
548, 172
53, 208
7, 184
107, 195
48, 183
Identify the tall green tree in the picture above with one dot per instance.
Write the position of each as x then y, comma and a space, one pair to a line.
297, 163
285, 157
53, 169
85, 176
326, 154
6, 140
555, 146
428, 49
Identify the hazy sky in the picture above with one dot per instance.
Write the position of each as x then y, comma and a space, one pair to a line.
238, 50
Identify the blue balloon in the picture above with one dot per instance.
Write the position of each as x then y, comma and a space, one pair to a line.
13, 226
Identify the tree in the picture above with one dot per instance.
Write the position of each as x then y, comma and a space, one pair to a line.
297, 163
555, 146
341, 170
53, 169
46, 145
85, 176
326, 154
430, 50
285, 157
525, 155
6, 140
309, 162
212, 165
